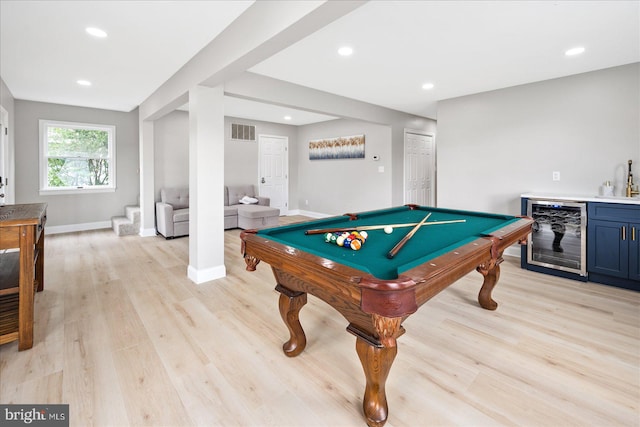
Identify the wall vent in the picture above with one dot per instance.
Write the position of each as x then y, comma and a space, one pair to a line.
243, 132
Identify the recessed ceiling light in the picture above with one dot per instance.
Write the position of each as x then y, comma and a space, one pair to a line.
84, 82
345, 51
575, 51
427, 86
96, 32
287, 117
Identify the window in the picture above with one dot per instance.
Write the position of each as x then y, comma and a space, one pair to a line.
77, 157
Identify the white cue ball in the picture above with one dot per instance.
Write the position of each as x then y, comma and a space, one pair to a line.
388, 230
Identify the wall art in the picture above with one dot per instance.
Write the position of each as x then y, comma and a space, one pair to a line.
345, 147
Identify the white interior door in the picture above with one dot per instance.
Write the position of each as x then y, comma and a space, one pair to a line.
4, 156
419, 168
274, 170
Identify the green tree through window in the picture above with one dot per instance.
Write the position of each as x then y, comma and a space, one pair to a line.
77, 156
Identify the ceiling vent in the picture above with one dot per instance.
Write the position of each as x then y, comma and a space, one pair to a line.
243, 132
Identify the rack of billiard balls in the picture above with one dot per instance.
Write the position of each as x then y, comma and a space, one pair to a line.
347, 239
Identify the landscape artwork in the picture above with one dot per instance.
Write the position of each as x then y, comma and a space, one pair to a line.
345, 147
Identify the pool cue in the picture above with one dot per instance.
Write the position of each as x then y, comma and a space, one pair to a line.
406, 238
378, 227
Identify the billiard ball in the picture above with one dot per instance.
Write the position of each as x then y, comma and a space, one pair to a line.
340, 241
355, 244
388, 230
364, 235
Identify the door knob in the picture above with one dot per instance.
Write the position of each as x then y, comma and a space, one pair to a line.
263, 181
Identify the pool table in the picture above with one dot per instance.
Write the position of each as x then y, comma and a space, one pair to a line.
373, 292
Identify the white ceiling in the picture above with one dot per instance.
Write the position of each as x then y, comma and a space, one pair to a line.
462, 47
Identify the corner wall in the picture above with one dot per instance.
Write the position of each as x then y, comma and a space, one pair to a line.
496, 145
91, 210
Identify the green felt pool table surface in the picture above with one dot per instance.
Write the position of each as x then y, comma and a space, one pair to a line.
430, 241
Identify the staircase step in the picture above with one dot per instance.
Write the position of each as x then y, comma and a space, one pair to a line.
123, 226
133, 213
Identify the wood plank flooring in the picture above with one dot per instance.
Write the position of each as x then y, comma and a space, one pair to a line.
125, 339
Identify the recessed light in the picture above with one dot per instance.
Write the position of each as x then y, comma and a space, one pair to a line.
84, 82
575, 51
427, 86
345, 51
96, 32
287, 117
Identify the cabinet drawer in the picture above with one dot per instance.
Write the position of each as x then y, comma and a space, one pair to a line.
613, 211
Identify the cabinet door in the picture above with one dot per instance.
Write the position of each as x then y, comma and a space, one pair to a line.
634, 251
607, 252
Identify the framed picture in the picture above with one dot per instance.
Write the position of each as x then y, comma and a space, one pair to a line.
345, 147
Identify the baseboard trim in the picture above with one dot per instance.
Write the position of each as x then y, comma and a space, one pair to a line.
71, 228
206, 274
147, 232
308, 213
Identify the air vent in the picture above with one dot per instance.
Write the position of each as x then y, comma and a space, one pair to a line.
243, 132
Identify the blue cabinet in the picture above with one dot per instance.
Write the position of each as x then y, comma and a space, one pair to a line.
634, 252
613, 244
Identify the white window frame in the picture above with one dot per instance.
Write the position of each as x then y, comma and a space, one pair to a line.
45, 189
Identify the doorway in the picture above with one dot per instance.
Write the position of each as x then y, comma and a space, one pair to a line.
419, 168
273, 153
5, 197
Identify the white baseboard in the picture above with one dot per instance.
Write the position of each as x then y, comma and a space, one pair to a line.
308, 213
206, 274
70, 228
147, 232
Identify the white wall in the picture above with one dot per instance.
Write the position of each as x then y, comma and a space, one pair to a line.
171, 135
241, 157
493, 146
346, 185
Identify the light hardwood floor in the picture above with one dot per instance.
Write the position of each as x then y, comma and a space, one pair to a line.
125, 339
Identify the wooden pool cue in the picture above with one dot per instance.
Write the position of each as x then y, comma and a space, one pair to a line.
378, 227
393, 252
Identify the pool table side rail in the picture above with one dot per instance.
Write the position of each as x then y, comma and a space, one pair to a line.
450, 267
397, 297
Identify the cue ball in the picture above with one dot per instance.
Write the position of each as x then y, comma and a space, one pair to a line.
388, 230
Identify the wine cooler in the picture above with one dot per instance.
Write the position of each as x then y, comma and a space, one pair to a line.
558, 238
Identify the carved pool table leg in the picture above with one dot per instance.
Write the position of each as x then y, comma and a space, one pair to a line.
491, 273
376, 362
290, 304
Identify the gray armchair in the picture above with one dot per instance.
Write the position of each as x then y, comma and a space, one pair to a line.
172, 212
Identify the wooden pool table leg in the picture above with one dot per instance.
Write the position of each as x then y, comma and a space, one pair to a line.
376, 362
290, 304
491, 273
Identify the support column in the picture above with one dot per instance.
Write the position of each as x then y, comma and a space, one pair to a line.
147, 187
206, 184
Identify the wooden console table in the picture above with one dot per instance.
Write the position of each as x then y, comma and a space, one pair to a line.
21, 272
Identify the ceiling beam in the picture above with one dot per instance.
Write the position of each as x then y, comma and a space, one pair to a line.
264, 29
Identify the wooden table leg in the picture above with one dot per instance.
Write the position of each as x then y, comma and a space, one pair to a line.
491, 273
40, 262
376, 361
290, 304
26, 291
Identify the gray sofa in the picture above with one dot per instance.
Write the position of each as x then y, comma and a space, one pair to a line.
246, 216
172, 211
